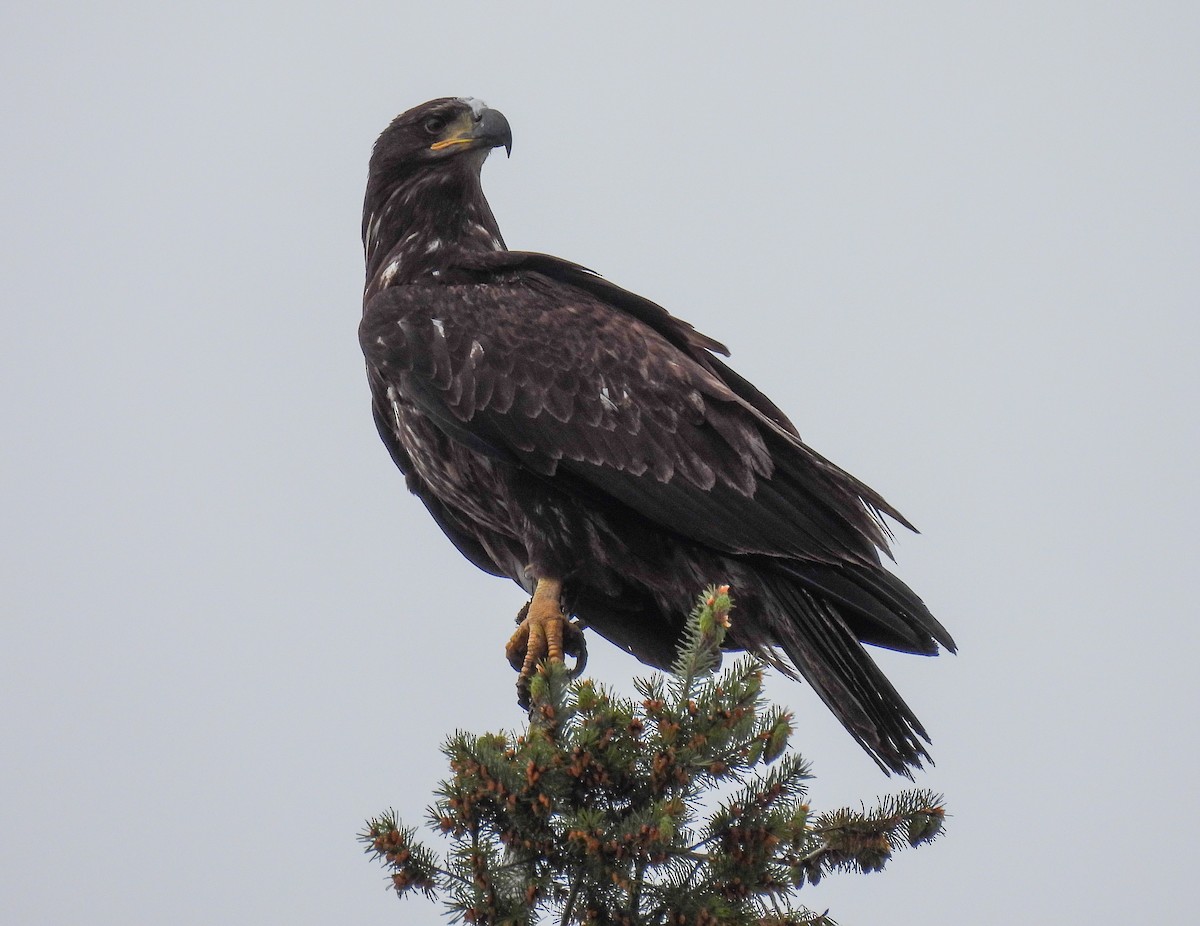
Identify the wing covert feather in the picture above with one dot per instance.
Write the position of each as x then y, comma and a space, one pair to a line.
549, 373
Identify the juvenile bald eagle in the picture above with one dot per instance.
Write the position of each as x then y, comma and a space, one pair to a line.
585, 443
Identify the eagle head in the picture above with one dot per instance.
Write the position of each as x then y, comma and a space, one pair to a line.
440, 130
423, 182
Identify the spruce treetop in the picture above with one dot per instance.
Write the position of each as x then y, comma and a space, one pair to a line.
595, 813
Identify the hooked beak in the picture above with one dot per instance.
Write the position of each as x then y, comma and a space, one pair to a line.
487, 130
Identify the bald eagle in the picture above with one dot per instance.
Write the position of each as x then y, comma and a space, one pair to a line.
585, 443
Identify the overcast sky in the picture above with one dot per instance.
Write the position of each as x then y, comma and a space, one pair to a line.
958, 243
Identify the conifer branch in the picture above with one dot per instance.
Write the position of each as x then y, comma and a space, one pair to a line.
595, 813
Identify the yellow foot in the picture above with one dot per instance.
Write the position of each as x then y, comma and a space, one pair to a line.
543, 633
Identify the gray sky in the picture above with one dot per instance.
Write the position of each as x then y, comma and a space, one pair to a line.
957, 243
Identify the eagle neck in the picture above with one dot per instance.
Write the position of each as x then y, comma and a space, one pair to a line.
424, 224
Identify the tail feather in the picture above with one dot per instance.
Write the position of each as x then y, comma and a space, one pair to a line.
880, 609
826, 652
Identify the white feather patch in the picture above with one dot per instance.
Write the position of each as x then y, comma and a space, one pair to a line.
477, 106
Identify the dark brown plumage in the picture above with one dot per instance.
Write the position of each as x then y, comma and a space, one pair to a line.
562, 429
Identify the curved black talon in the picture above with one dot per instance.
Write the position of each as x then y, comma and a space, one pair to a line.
575, 644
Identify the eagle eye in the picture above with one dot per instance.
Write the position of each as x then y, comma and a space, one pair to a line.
435, 124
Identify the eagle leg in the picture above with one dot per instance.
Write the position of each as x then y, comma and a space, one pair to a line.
543, 633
